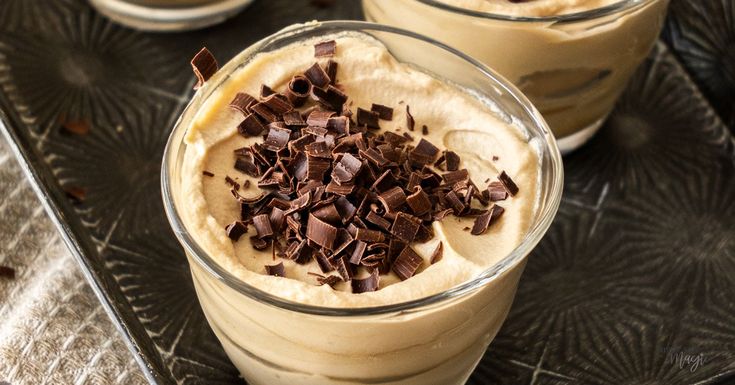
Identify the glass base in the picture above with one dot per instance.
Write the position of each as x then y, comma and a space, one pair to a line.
570, 143
151, 18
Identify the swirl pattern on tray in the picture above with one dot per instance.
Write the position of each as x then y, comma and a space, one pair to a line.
702, 34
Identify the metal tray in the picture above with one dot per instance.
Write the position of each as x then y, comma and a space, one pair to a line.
634, 282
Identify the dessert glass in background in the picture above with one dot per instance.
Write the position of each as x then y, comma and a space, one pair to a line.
169, 15
437, 339
572, 66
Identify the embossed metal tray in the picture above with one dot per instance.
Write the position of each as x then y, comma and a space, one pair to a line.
633, 284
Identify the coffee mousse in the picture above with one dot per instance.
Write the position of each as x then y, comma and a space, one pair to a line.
330, 174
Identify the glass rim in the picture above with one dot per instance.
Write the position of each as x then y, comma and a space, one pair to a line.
172, 13
533, 236
590, 14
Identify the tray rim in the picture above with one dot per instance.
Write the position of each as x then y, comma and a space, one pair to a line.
57, 207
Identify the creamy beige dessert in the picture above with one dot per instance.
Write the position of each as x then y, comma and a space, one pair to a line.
436, 344
368, 74
573, 71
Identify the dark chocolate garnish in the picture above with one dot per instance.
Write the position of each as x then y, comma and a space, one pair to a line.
204, 65
407, 263
368, 118
452, 160
508, 183
321, 232
370, 283
405, 227
331, 70
263, 226
276, 270
250, 126
384, 112
438, 253
298, 91
207, 173
330, 97
496, 192
242, 102
235, 230
317, 76
410, 121
481, 223
325, 48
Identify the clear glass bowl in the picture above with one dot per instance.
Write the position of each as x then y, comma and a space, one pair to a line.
433, 340
169, 15
573, 67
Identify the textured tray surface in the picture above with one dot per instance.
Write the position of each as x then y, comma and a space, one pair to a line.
635, 276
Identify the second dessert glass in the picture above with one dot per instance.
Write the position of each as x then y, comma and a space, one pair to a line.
573, 67
433, 340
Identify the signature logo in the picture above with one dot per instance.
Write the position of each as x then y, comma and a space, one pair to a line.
683, 359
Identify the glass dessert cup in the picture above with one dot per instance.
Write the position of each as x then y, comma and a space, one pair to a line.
169, 15
573, 67
432, 340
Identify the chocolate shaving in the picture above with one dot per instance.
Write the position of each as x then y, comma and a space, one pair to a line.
277, 139
384, 112
259, 243
392, 199
365, 285
496, 192
75, 127
266, 91
250, 126
343, 268
330, 280
438, 253
346, 169
331, 97
424, 130
276, 270
508, 183
320, 232
298, 91
452, 160
235, 230
231, 182
407, 263
331, 71
481, 223
204, 65
368, 118
339, 125
410, 122
76, 194
377, 220
242, 102
207, 173
369, 236
319, 118
405, 227
325, 48
419, 202
317, 76
262, 225
454, 177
